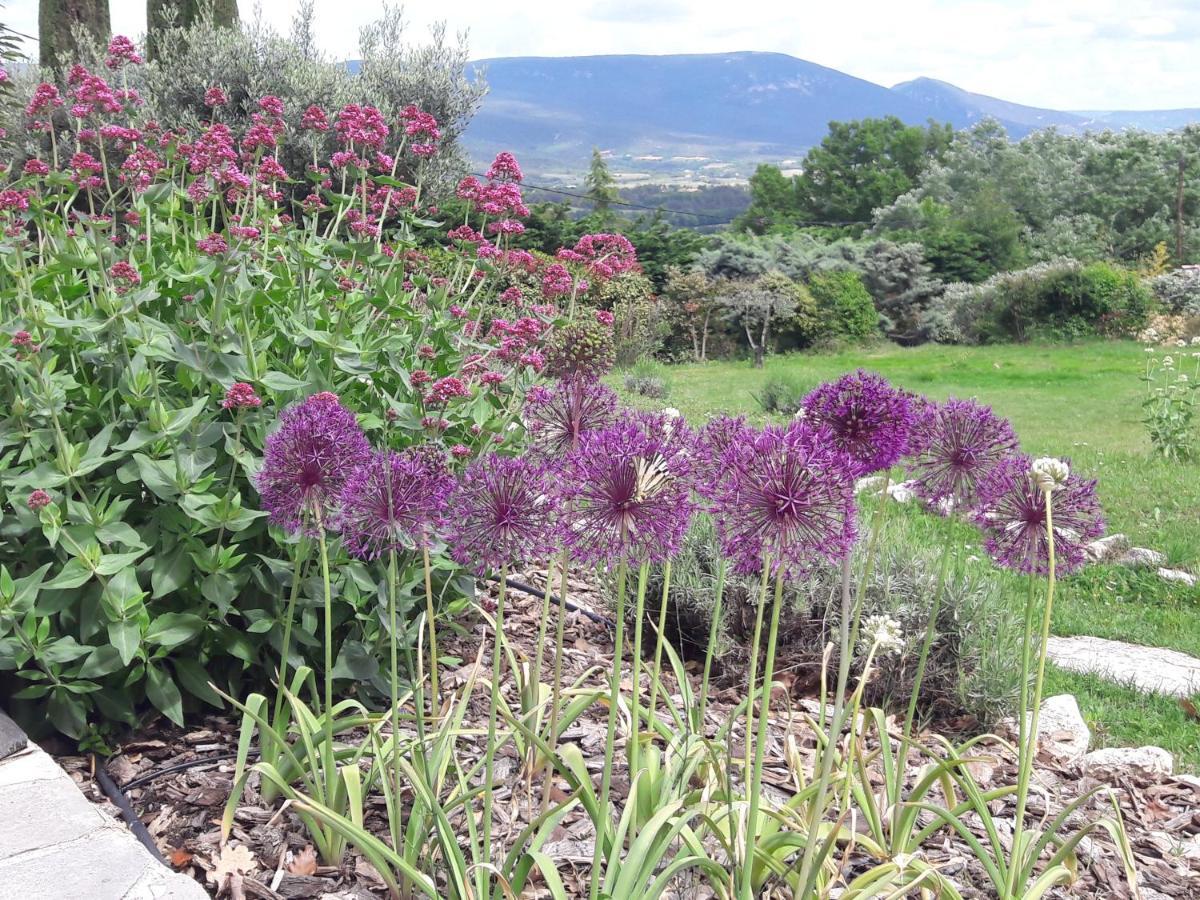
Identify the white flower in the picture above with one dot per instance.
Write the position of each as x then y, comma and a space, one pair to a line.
1183, 378
1196, 341
883, 633
1149, 349
1049, 473
800, 413
1168, 362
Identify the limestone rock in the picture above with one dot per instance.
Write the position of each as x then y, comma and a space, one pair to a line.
872, 483
1061, 728
1107, 549
902, 492
1142, 558
1177, 575
1151, 669
1111, 763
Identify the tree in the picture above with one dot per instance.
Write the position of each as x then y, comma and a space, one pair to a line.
899, 281
759, 306
602, 190
57, 21
164, 14
691, 301
773, 201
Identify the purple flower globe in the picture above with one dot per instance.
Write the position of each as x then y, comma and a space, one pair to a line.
869, 420
955, 446
501, 514
626, 491
556, 418
307, 460
394, 501
787, 496
1012, 516
712, 444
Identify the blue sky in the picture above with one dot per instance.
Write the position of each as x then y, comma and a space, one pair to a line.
1066, 54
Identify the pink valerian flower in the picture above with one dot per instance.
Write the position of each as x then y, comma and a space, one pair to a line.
606, 255
124, 276
423, 151
446, 389
1012, 515
38, 500
557, 281
241, 396
262, 135
435, 423
786, 498
122, 52
460, 451
212, 245
314, 119
488, 250
954, 447
271, 105
46, 99
91, 94
505, 168
12, 200
502, 514
361, 125
214, 97
512, 295
420, 125
35, 167
307, 461
521, 259
869, 420
468, 189
394, 501
605, 318
244, 232
427, 351
86, 170
465, 233
140, 168
213, 151
557, 418
506, 226
22, 340
625, 492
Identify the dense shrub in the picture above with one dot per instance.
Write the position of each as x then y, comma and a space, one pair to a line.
648, 379
1178, 291
844, 306
784, 395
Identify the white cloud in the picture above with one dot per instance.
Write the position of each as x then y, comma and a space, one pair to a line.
1071, 54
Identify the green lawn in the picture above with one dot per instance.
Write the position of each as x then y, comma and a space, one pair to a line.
1080, 401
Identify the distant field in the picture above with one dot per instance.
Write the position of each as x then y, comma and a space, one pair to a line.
1080, 401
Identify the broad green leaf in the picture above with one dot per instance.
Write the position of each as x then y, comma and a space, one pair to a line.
172, 629
126, 636
164, 694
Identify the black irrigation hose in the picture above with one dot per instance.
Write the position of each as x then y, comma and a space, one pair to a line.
571, 607
117, 796
179, 767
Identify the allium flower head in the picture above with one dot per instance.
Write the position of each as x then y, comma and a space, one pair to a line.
394, 501
954, 446
1012, 514
626, 490
501, 513
580, 349
307, 460
712, 445
786, 496
1050, 474
883, 633
868, 418
557, 418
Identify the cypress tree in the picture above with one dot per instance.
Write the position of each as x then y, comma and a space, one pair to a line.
56, 23
164, 14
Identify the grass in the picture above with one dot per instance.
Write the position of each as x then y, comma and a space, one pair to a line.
1081, 401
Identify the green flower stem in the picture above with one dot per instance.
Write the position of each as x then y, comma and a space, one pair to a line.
1028, 750
760, 741
556, 686
394, 821
614, 696
327, 750
489, 764
633, 750
431, 622
658, 646
748, 750
713, 629
288, 618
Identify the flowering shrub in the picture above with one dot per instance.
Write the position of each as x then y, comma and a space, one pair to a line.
1169, 409
165, 296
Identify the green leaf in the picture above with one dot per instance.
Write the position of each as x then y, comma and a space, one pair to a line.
164, 694
172, 629
126, 636
277, 381
66, 649
121, 532
68, 713
102, 661
74, 574
112, 563
171, 572
157, 475
196, 681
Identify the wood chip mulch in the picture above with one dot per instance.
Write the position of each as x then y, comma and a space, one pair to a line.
270, 857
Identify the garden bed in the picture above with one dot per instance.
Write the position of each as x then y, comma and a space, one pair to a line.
182, 809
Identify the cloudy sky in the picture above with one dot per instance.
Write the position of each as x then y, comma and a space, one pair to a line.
1065, 54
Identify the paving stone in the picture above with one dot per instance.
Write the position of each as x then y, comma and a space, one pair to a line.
1110, 763
1150, 669
35, 814
1177, 575
1142, 558
12, 738
1108, 548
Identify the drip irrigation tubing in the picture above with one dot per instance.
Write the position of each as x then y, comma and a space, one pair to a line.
554, 598
121, 801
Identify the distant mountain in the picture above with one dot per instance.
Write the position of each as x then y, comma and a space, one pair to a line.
713, 116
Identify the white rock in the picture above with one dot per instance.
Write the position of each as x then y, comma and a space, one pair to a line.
872, 483
1112, 762
1061, 728
1141, 557
1150, 669
1177, 575
902, 492
1107, 548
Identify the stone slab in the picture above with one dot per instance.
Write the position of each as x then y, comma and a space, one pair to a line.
56, 845
1150, 669
12, 738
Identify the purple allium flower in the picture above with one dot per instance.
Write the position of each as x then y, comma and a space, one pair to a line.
1012, 515
307, 461
556, 418
627, 489
786, 495
394, 501
712, 444
954, 445
868, 418
38, 500
501, 513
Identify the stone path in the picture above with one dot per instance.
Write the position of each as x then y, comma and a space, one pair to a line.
55, 845
1151, 669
